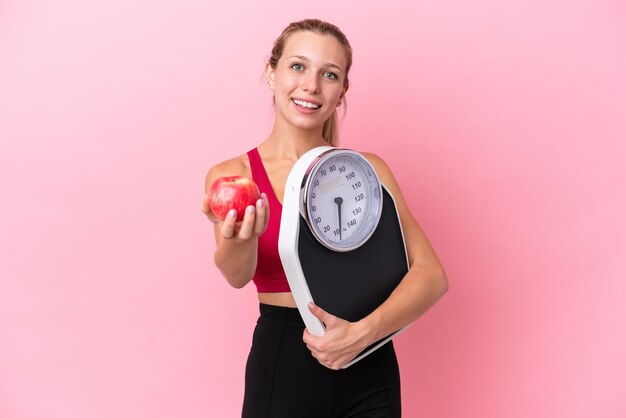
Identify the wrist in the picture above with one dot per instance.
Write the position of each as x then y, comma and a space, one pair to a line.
370, 326
236, 261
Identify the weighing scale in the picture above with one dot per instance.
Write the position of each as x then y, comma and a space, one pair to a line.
340, 241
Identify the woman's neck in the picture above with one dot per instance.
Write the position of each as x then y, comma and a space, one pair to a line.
290, 142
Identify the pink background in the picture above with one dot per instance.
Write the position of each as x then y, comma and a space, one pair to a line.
504, 122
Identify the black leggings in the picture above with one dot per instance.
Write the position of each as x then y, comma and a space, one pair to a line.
283, 379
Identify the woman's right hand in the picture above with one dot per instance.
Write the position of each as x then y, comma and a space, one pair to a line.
254, 222
236, 252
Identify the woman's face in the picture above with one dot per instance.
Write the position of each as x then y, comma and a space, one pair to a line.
308, 80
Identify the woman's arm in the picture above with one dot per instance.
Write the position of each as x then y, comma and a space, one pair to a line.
424, 283
237, 242
421, 287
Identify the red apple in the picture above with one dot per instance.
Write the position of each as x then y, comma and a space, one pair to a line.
232, 192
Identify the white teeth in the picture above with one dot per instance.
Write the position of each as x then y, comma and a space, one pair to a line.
306, 104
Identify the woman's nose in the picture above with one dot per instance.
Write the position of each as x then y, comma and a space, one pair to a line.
311, 84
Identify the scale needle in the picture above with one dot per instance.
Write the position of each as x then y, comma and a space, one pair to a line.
339, 201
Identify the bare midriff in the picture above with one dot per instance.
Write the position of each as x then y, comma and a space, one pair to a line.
278, 299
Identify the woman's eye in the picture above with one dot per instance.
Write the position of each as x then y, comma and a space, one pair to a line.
297, 67
330, 75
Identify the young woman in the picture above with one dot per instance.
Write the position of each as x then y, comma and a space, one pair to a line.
291, 373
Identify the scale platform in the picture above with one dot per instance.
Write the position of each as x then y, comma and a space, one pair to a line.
349, 285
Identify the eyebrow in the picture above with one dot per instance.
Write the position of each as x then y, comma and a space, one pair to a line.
303, 58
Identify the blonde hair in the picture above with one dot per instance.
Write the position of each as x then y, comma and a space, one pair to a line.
330, 131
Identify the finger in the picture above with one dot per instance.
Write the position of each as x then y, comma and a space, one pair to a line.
267, 207
318, 355
259, 220
247, 225
309, 339
267, 211
206, 209
311, 342
205, 204
227, 229
321, 314
333, 365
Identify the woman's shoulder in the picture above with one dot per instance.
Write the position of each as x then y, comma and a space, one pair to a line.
384, 172
381, 167
237, 166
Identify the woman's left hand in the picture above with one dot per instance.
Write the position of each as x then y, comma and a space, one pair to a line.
341, 342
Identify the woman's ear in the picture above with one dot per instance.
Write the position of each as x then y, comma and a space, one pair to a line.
269, 76
340, 101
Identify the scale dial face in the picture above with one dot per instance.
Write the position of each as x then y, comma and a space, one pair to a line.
342, 199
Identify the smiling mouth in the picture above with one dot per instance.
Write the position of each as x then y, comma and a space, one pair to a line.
306, 104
